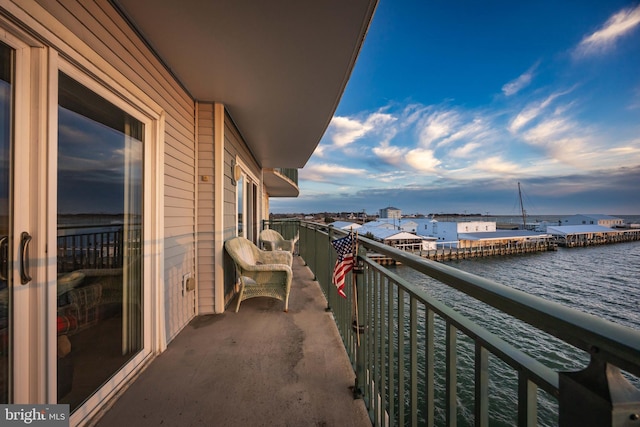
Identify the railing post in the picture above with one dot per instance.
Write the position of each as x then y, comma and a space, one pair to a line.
598, 396
358, 325
329, 267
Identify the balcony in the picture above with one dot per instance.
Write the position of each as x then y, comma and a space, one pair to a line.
281, 182
259, 366
405, 352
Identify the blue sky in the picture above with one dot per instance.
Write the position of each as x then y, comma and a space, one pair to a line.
452, 103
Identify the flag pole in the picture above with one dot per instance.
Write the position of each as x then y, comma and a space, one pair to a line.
355, 292
357, 278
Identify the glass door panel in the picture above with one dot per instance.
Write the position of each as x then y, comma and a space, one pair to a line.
240, 206
100, 200
254, 213
6, 102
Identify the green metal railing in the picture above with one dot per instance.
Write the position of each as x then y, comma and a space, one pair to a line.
408, 349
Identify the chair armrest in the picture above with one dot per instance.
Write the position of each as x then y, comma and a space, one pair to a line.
285, 245
267, 268
268, 245
275, 257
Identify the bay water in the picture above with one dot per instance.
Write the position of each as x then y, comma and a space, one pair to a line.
600, 280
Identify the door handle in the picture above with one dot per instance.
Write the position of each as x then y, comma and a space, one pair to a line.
4, 257
25, 239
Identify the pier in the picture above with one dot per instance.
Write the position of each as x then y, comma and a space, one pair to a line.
454, 253
576, 236
467, 249
448, 254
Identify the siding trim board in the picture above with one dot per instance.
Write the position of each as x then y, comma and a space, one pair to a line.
218, 214
206, 209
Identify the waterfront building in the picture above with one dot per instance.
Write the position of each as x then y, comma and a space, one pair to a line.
398, 239
502, 238
592, 219
174, 121
448, 231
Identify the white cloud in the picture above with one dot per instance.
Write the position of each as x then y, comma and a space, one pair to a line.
465, 151
436, 126
390, 177
422, 159
319, 151
498, 166
345, 130
605, 38
325, 172
549, 130
561, 139
476, 129
571, 145
412, 113
625, 155
630, 149
635, 101
390, 154
380, 120
520, 83
533, 111
74, 135
422, 142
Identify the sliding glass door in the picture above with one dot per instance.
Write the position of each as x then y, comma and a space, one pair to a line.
75, 204
248, 223
100, 235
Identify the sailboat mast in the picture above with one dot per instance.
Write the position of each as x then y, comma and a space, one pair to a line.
524, 214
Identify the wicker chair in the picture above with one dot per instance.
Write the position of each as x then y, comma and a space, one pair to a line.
273, 241
262, 273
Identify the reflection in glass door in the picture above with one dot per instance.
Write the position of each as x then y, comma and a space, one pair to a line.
247, 207
240, 206
6, 95
100, 200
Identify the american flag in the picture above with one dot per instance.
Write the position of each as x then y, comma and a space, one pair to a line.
344, 247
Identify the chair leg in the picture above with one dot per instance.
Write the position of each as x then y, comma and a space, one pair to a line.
240, 294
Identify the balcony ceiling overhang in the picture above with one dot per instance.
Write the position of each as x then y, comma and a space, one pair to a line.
279, 66
279, 185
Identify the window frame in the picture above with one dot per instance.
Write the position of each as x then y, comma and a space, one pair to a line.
251, 206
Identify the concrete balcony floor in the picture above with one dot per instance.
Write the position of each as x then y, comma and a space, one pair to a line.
257, 367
